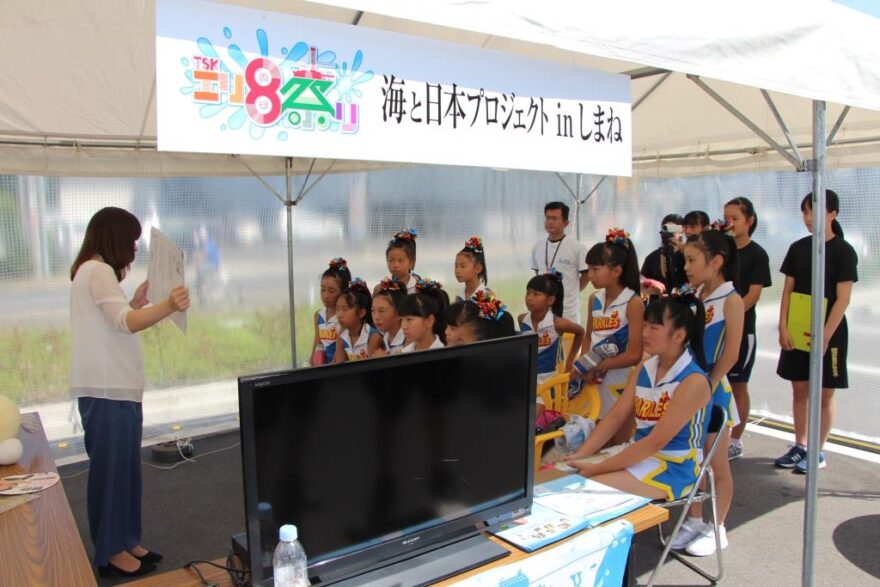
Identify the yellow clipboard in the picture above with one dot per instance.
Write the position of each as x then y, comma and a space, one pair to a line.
799, 319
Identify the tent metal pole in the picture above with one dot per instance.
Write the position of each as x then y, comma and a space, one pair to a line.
289, 204
264, 183
595, 189
837, 126
784, 127
650, 91
744, 119
565, 183
305, 191
817, 322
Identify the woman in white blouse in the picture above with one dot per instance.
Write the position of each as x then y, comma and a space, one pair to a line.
107, 377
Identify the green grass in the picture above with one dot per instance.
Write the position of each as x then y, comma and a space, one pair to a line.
35, 362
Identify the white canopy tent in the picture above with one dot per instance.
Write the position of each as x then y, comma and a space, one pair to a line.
717, 87
78, 90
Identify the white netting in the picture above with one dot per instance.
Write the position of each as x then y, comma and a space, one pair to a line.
238, 323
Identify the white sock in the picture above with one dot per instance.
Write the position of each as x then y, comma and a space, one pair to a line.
693, 521
737, 442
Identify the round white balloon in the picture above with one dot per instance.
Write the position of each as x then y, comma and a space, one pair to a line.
10, 418
10, 451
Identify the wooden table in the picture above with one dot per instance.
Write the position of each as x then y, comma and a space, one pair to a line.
39, 541
642, 519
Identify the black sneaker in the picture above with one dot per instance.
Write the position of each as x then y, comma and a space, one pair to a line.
790, 459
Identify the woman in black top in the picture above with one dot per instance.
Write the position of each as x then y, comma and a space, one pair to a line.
794, 365
752, 276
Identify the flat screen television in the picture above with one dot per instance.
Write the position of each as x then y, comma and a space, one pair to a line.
382, 460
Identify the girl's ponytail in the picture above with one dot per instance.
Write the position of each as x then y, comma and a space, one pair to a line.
832, 204
358, 296
432, 300
404, 240
618, 251
474, 247
684, 310
717, 241
748, 209
487, 316
338, 269
550, 284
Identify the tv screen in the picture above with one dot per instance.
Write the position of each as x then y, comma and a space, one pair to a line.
376, 458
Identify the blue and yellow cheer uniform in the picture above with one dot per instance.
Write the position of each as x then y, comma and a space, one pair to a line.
673, 469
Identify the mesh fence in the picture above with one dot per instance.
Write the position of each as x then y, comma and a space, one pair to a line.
239, 320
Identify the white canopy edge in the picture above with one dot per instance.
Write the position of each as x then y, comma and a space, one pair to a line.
126, 161
147, 162
814, 49
77, 86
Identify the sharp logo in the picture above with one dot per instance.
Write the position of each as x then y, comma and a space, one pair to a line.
412, 540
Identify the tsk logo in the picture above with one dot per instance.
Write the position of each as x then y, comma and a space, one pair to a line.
302, 90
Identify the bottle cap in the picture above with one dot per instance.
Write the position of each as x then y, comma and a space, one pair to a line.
287, 533
264, 510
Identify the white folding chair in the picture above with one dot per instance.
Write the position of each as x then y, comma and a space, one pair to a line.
696, 495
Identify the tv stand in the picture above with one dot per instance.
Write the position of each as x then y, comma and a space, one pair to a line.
432, 566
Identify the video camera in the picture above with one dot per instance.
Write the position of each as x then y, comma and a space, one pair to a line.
670, 234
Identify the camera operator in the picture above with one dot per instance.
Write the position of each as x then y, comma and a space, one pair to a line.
663, 268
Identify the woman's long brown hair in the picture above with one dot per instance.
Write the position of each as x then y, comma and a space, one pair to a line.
111, 233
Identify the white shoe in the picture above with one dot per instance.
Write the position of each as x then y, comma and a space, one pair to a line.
704, 545
689, 531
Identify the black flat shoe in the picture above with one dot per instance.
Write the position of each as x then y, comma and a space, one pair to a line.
111, 569
150, 557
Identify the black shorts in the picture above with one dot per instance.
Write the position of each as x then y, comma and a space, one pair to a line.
742, 370
795, 365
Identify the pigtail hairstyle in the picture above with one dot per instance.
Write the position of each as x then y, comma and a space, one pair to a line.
474, 247
392, 289
684, 310
338, 269
748, 209
358, 296
832, 204
487, 316
717, 241
111, 233
618, 251
429, 300
405, 240
550, 284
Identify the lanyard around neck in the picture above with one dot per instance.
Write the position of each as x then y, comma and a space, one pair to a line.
548, 265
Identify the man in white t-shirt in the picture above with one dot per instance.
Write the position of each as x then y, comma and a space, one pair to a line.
567, 254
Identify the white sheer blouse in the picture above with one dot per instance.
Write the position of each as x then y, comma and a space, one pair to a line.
106, 359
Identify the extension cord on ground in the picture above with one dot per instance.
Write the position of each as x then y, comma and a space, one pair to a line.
172, 452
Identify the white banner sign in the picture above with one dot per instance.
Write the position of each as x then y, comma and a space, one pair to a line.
597, 558
237, 80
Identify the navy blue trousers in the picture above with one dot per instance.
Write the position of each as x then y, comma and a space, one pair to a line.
113, 431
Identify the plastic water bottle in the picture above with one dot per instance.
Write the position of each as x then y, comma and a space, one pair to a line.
289, 566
